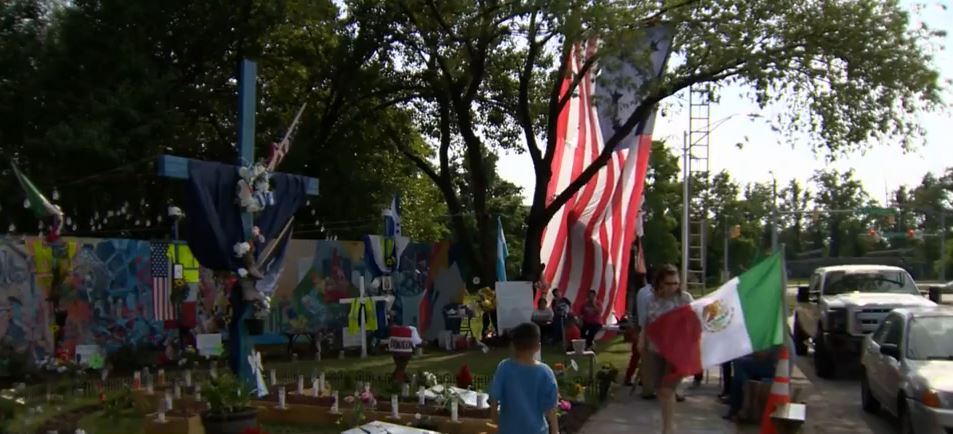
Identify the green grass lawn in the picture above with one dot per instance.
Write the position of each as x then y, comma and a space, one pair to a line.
615, 352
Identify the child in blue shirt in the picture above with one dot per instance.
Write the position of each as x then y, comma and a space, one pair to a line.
524, 389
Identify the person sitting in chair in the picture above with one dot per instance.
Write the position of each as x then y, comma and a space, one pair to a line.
543, 317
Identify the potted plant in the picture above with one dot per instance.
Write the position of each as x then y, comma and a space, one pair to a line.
229, 410
605, 377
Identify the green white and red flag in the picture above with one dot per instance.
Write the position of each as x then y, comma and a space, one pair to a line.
743, 316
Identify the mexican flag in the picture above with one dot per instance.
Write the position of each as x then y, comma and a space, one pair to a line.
744, 316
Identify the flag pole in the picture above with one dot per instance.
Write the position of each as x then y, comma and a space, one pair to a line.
788, 341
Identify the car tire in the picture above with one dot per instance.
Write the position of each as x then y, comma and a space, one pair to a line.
906, 422
800, 338
823, 361
867, 399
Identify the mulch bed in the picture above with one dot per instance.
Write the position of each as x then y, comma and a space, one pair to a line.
571, 422
407, 405
67, 422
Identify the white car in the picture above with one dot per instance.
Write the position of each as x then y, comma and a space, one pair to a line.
908, 369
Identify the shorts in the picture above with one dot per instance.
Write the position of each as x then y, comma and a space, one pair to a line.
654, 368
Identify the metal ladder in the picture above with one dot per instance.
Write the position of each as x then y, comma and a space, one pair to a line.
699, 134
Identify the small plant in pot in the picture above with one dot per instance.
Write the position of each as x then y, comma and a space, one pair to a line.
605, 377
228, 411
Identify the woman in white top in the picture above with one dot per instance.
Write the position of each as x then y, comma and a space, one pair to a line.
543, 317
668, 296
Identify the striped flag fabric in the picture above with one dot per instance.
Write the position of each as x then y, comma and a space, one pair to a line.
161, 266
587, 244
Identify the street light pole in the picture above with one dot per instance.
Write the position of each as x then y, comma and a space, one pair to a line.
774, 214
686, 162
942, 245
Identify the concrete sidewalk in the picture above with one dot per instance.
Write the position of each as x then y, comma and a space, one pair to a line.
700, 413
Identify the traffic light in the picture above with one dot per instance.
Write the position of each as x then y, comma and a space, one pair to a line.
911, 234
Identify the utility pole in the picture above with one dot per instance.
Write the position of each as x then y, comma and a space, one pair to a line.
686, 161
942, 232
774, 214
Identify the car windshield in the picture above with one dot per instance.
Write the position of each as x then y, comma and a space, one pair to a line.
839, 282
930, 338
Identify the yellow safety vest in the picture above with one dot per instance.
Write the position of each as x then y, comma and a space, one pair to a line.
354, 316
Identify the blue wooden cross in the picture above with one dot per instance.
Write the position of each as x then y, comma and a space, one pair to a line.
171, 166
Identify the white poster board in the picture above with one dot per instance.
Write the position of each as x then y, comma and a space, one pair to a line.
208, 345
514, 303
350, 340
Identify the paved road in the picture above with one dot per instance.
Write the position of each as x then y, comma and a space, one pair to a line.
834, 405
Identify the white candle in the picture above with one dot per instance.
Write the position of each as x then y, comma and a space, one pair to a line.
188, 378
394, 407
149, 389
321, 382
161, 375
454, 409
421, 398
281, 397
177, 391
334, 403
301, 384
168, 400
405, 390
161, 416
315, 391
481, 400
273, 377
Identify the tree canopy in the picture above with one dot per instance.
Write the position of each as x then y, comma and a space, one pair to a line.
486, 75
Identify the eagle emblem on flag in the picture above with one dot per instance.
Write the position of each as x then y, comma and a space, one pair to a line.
716, 316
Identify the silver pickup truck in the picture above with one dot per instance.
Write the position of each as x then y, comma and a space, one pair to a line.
842, 304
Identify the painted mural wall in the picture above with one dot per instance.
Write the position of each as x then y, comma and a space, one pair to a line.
111, 298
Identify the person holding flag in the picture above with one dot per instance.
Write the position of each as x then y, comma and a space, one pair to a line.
657, 366
743, 316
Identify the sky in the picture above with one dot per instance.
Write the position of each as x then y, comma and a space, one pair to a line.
883, 167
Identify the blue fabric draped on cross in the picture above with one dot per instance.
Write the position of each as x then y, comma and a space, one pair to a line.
213, 220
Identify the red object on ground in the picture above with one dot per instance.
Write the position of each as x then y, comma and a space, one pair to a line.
780, 391
464, 378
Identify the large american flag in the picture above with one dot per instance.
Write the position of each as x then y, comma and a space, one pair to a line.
162, 282
587, 244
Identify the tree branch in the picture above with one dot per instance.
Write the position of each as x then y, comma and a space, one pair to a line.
526, 76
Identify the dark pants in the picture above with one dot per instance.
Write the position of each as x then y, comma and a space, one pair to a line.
558, 324
589, 333
725, 378
747, 368
546, 331
489, 317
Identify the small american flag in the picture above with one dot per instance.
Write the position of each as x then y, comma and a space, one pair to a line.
162, 282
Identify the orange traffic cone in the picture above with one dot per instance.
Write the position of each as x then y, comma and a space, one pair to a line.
780, 391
